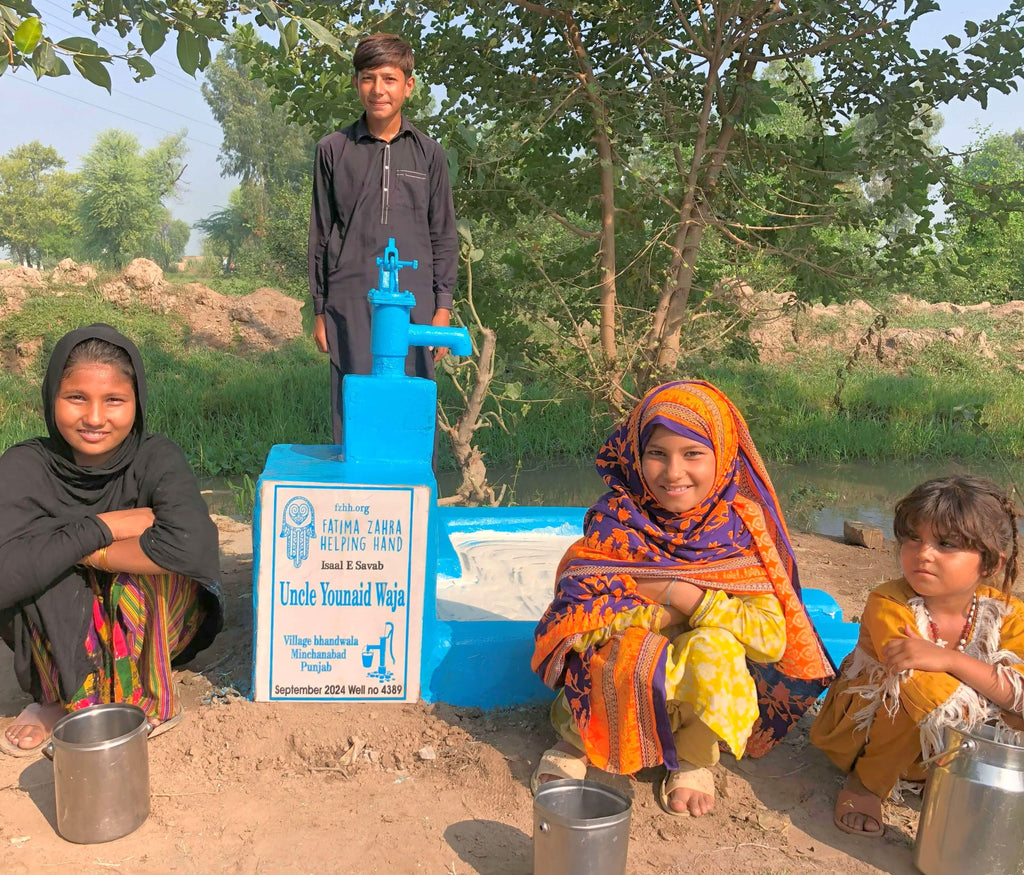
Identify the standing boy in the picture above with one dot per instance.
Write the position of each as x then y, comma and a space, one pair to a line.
378, 178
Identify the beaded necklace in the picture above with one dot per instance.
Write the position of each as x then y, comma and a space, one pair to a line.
965, 633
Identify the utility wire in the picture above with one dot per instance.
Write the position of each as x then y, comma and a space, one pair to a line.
101, 108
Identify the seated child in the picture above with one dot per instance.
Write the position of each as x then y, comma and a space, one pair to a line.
942, 646
109, 566
677, 622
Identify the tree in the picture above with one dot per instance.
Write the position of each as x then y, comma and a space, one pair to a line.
260, 144
37, 203
273, 156
230, 228
24, 41
984, 257
122, 194
168, 246
641, 130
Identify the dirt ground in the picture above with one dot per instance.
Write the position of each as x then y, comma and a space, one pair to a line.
242, 787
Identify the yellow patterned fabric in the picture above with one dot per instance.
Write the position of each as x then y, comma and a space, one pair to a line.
706, 675
706, 667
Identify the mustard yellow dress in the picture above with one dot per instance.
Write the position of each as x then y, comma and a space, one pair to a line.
880, 724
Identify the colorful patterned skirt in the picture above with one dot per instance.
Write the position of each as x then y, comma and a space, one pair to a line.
140, 622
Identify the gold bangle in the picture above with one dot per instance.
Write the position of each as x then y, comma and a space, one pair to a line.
101, 560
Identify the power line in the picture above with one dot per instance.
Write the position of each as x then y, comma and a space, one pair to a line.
167, 109
108, 110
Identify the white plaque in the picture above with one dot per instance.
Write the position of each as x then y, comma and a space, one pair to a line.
339, 599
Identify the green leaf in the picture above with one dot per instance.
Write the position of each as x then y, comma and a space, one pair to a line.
80, 45
971, 29
269, 11
111, 8
208, 27
154, 32
952, 41
320, 33
45, 62
28, 34
188, 52
143, 69
93, 70
204, 52
475, 254
290, 34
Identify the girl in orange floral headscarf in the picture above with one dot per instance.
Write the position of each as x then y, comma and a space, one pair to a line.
677, 623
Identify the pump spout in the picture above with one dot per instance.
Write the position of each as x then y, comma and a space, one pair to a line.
392, 333
455, 339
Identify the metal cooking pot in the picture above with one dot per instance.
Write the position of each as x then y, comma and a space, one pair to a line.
972, 815
100, 772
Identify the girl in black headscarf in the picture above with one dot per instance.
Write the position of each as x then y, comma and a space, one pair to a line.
109, 565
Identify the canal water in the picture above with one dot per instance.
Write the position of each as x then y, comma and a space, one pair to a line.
815, 498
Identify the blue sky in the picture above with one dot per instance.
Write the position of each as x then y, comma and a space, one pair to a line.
67, 113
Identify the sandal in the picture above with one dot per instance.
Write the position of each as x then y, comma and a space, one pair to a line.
559, 763
686, 777
169, 723
867, 804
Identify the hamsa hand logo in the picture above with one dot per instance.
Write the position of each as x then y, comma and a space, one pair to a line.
297, 527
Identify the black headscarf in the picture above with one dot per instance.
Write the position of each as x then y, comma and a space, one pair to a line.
48, 523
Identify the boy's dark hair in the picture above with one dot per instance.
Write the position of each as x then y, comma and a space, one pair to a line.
99, 352
383, 50
973, 513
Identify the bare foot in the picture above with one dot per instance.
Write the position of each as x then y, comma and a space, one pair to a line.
858, 810
32, 727
689, 791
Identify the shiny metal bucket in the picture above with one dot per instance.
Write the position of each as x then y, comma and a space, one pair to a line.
100, 772
972, 816
580, 828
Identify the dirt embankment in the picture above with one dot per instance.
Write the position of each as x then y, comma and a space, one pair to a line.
264, 319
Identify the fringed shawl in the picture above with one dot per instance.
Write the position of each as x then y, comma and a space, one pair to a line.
735, 540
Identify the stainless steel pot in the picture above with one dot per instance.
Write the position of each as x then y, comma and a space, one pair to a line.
100, 772
580, 828
972, 816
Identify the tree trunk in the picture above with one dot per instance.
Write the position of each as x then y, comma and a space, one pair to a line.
474, 490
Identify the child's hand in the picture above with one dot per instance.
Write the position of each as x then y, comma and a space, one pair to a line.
914, 652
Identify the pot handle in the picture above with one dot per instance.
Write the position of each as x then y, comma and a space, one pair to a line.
48, 750
965, 746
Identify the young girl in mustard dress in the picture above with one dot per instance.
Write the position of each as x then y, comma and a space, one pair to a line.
943, 646
677, 624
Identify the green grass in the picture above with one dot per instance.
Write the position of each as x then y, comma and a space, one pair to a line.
226, 409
